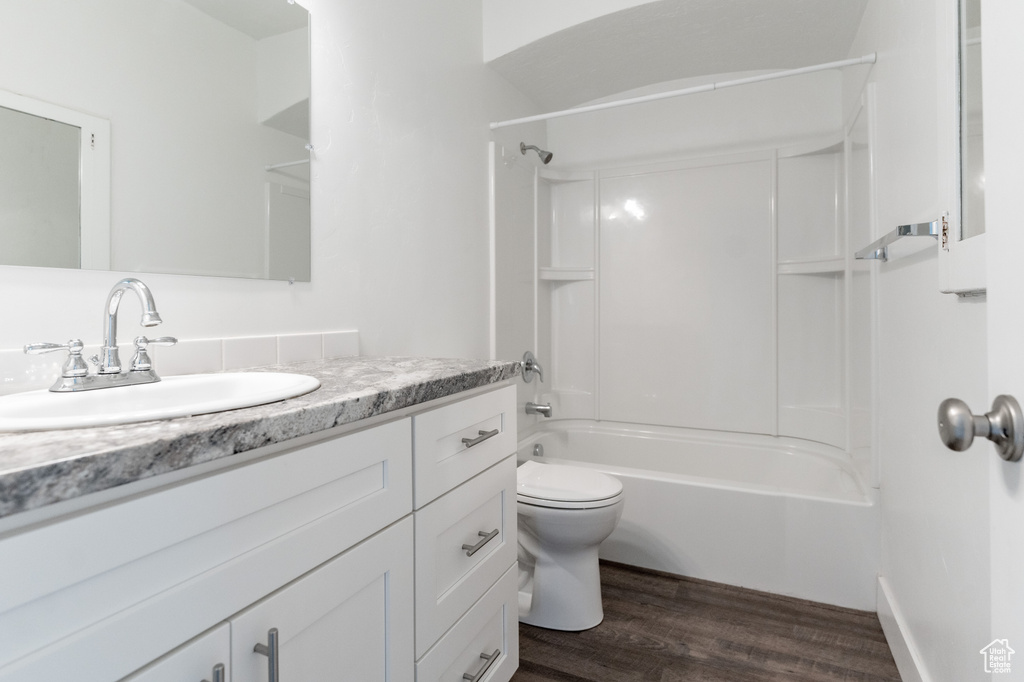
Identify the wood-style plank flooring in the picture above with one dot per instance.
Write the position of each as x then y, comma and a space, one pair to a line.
668, 629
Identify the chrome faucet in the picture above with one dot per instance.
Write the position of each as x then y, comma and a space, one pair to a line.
110, 360
534, 408
74, 375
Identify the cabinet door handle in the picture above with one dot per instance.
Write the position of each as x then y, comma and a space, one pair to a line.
486, 537
270, 651
218, 673
487, 666
483, 435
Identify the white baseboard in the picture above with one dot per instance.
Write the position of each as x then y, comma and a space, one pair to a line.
908, 661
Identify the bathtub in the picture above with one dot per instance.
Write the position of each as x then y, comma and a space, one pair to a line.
776, 514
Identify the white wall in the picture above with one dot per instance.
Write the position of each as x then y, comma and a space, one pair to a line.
756, 116
510, 25
931, 346
399, 202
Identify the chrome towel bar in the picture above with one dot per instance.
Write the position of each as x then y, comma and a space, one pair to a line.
879, 249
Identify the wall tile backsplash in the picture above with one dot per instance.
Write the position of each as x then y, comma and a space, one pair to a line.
20, 372
299, 347
189, 357
250, 351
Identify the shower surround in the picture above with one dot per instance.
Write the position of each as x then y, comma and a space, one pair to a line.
705, 330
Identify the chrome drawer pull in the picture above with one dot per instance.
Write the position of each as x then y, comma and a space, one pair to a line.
487, 537
270, 651
487, 666
484, 435
218, 673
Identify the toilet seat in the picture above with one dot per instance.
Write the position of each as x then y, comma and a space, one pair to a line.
558, 486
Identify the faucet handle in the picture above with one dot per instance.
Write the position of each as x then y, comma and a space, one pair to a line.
142, 341
141, 362
74, 366
530, 367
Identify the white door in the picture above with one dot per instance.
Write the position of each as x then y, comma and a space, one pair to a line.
349, 619
1003, 63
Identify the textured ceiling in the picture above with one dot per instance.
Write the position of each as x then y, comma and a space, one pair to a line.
674, 39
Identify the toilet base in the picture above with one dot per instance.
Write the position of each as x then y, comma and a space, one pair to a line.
562, 592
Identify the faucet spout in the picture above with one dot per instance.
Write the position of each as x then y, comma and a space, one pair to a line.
543, 410
110, 361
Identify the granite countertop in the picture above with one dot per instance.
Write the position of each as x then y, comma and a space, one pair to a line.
43, 467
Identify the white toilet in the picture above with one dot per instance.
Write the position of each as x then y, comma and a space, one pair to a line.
565, 513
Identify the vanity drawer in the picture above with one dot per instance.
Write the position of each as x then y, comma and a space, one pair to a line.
100, 594
454, 443
492, 625
480, 515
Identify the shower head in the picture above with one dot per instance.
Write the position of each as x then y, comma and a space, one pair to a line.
544, 156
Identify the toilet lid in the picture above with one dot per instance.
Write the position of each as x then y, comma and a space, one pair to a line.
560, 483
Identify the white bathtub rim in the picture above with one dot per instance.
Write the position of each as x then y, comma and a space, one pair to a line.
705, 482
864, 496
785, 444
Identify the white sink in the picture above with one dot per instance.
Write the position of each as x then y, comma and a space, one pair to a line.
178, 396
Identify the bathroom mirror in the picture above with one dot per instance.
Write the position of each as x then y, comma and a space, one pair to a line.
202, 110
972, 135
962, 248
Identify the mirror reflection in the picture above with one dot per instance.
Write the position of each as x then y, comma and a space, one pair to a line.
972, 136
39, 162
156, 136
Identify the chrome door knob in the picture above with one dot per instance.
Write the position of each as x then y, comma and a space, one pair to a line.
1004, 426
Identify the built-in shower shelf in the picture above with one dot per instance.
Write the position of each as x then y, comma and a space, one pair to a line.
812, 266
556, 176
565, 274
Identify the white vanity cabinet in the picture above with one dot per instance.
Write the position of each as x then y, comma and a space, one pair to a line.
316, 541
346, 620
207, 658
467, 619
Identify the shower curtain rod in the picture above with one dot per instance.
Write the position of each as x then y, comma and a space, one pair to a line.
866, 59
286, 164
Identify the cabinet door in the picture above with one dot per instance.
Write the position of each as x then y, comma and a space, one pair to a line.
449, 579
349, 619
193, 661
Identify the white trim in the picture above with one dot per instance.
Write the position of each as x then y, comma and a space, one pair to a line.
94, 187
908, 661
773, 228
492, 252
866, 59
962, 266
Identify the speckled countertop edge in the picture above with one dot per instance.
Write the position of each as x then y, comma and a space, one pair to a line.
43, 467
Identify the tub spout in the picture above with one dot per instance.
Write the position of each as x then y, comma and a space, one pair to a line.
534, 408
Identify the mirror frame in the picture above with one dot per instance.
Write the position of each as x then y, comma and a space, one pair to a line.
962, 262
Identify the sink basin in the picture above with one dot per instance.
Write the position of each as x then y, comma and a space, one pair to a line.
178, 396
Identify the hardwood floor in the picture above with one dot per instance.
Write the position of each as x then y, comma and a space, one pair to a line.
668, 629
